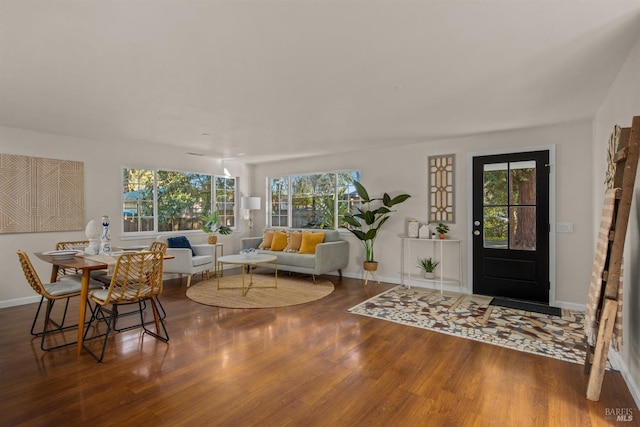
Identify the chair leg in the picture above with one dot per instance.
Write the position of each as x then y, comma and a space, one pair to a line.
35, 319
59, 328
159, 321
163, 314
109, 320
188, 280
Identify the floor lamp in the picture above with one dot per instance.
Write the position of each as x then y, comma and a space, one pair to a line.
250, 204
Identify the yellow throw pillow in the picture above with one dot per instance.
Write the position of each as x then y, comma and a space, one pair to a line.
267, 238
310, 241
279, 241
295, 239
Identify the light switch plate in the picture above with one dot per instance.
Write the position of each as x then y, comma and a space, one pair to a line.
564, 227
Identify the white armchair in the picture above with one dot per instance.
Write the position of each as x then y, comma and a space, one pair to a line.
201, 260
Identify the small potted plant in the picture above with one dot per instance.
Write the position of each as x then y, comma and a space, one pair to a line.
212, 225
428, 265
442, 230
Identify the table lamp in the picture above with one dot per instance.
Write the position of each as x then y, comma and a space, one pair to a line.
250, 204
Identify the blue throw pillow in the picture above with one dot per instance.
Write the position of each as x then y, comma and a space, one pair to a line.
180, 242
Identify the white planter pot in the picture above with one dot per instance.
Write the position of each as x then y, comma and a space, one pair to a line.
430, 275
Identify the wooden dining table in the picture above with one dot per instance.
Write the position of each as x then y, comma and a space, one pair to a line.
86, 266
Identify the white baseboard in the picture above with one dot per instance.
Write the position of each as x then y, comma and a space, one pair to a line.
618, 363
570, 306
19, 301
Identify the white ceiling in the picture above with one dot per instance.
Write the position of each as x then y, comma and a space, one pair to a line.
246, 79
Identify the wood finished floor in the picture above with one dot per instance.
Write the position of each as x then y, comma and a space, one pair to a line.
307, 365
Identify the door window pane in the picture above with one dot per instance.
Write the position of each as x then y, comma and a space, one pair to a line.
522, 183
496, 227
522, 235
495, 184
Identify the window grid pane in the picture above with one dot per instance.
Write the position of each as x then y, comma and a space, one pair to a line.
179, 200
317, 200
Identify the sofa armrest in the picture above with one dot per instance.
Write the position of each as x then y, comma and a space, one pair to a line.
332, 256
204, 249
250, 242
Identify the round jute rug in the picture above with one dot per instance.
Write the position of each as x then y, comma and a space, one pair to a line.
290, 291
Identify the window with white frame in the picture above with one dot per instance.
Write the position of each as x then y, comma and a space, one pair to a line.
317, 200
159, 201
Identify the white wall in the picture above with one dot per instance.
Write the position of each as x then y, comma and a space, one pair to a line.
620, 105
403, 169
102, 164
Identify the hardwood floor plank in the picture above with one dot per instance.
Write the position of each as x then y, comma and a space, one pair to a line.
307, 365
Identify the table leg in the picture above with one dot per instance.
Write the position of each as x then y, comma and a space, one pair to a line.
84, 293
54, 274
244, 292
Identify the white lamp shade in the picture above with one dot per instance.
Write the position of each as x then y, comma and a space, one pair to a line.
250, 203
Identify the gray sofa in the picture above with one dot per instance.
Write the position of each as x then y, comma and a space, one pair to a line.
331, 255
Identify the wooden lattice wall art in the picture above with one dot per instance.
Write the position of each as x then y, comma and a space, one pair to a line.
441, 188
38, 194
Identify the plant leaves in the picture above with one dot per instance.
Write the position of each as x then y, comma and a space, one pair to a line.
362, 192
398, 199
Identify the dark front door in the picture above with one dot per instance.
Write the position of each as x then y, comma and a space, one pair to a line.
511, 226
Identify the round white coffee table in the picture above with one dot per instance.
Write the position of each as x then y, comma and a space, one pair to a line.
246, 262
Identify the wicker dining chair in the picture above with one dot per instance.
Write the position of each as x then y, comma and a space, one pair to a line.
106, 279
160, 247
137, 278
52, 292
69, 245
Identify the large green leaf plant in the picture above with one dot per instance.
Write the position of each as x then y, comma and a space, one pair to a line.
371, 215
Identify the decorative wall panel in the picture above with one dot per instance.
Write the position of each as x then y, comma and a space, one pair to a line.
441, 188
38, 194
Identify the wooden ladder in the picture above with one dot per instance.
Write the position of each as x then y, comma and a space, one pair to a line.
626, 160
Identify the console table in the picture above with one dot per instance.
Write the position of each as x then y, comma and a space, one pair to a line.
413, 247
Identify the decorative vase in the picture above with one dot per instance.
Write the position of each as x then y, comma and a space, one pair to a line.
370, 265
213, 239
105, 237
412, 230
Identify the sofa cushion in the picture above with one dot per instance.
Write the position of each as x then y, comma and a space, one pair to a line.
267, 238
295, 239
180, 242
292, 259
309, 241
279, 241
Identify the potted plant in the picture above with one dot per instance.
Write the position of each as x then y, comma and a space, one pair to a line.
428, 265
212, 225
371, 215
442, 230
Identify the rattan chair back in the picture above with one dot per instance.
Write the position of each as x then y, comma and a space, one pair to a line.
34, 280
136, 276
65, 246
157, 246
